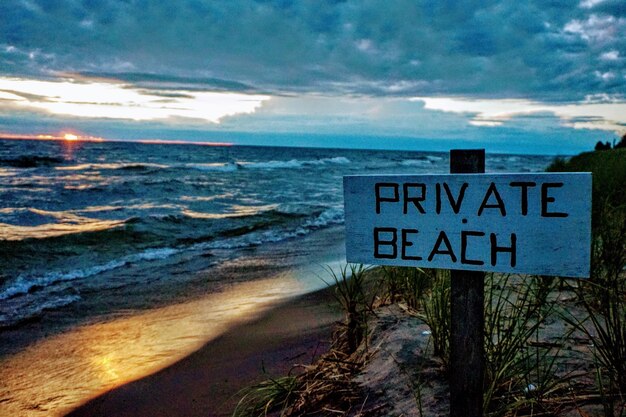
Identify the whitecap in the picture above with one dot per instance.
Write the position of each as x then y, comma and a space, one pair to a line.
24, 284
215, 167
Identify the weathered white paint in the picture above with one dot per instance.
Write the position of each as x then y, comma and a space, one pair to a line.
552, 234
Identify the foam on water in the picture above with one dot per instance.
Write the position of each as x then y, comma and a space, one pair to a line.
293, 163
24, 284
20, 310
214, 167
111, 166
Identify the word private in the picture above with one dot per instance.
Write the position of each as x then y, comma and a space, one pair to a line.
520, 223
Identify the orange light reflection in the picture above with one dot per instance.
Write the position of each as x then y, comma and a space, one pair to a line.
93, 358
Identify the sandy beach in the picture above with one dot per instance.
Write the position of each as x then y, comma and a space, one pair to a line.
206, 382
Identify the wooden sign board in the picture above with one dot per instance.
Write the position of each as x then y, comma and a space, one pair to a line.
536, 223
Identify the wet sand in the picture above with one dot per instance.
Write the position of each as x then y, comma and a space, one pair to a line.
48, 368
206, 382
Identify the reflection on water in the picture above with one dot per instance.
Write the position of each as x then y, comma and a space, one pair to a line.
57, 374
237, 211
73, 226
70, 147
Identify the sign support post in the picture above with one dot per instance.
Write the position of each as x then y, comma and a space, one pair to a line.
467, 358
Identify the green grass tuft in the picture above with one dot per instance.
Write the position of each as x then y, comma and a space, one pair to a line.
267, 396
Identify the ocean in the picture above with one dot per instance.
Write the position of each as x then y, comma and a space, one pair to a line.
93, 233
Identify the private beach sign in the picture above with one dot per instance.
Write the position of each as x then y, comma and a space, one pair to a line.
519, 223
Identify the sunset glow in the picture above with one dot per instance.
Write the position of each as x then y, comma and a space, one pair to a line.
113, 99
71, 137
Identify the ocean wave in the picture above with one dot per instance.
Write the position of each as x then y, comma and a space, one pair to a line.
416, 162
330, 216
26, 284
426, 160
41, 228
73, 228
241, 212
214, 167
48, 230
29, 295
265, 165
207, 167
222, 227
122, 166
258, 236
434, 158
12, 315
8, 172
293, 163
236, 211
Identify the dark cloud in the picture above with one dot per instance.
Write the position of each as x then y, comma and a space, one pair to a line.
173, 82
27, 96
546, 50
611, 7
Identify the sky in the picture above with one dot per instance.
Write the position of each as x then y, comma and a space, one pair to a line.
538, 76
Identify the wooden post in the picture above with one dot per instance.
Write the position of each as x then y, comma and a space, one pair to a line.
467, 358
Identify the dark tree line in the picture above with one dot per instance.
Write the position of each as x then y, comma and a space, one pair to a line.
607, 145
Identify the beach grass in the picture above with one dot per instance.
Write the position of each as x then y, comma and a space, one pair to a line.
326, 387
357, 297
271, 394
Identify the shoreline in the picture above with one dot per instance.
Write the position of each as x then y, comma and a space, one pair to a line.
206, 382
98, 353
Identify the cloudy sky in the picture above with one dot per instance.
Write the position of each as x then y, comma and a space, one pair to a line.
544, 76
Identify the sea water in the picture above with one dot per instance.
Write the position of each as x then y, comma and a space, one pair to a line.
71, 211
